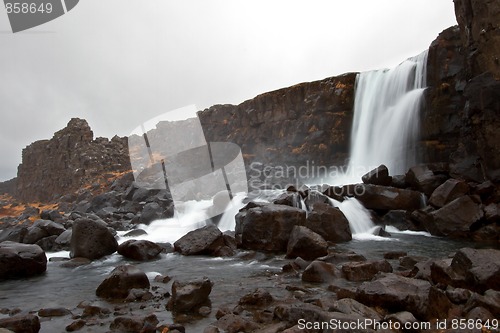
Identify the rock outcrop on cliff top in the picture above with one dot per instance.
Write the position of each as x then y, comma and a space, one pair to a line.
70, 160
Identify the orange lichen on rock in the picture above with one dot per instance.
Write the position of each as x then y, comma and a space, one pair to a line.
12, 208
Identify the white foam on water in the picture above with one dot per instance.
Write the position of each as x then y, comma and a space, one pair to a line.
189, 216
359, 217
394, 230
58, 254
369, 235
152, 275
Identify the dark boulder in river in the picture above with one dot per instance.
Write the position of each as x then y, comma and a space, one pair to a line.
92, 239
121, 281
139, 249
267, 228
21, 260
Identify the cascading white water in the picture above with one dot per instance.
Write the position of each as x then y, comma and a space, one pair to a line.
385, 128
358, 216
189, 216
227, 221
386, 117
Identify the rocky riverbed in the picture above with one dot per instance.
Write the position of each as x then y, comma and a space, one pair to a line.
292, 259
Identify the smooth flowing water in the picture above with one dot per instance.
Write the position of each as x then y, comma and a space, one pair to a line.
386, 119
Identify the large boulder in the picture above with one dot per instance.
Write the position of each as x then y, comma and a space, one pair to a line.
135, 324
52, 215
205, 240
490, 301
365, 270
42, 229
105, 200
342, 257
34, 234
189, 296
121, 281
139, 249
258, 298
388, 198
21, 260
474, 269
329, 222
63, 241
235, 323
52, 228
91, 239
319, 271
268, 227
306, 244
150, 212
447, 192
424, 179
21, 324
378, 176
400, 219
396, 293
350, 306
454, 219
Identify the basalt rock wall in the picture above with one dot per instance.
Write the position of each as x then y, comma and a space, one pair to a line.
70, 160
462, 114
306, 124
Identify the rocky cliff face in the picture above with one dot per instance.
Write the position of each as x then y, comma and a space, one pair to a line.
461, 118
70, 160
479, 22
306, 124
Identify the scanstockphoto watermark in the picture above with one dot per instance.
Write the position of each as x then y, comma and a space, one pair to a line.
361, 324
365, 324
27, 14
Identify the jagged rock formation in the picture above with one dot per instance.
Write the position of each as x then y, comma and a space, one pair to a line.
461, 118
70, 160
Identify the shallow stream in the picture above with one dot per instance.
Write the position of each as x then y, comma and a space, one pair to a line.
232, 277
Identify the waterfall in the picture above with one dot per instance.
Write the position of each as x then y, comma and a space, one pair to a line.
386, 117
385, 129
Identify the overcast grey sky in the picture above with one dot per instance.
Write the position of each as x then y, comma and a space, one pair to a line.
118, 63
